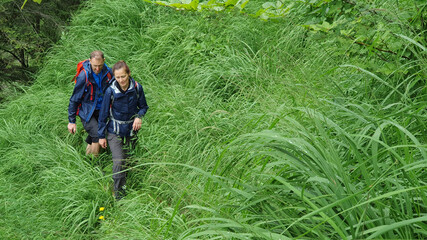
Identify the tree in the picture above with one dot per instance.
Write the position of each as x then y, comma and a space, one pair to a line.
27, 32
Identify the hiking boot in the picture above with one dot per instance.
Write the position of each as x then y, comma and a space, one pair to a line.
118, 195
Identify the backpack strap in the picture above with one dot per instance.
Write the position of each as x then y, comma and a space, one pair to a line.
109, 76
91, 88
137, 90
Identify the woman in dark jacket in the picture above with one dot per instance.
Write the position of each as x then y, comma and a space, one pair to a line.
120, 116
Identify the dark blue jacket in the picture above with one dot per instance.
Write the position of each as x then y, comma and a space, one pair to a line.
83, 99
120, 109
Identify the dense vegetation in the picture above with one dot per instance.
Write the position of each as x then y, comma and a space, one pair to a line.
26, 34
258, 128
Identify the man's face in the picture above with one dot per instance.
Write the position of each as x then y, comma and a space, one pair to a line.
97, 64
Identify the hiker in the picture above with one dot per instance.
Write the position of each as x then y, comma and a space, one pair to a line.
92, 79
121, 114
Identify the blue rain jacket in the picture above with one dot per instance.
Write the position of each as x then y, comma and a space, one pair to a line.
85, 93
119, 109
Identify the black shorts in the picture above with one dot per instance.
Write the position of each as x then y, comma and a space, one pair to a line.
91, 128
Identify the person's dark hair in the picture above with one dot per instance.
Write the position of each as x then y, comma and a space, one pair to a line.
97, 54
119, 65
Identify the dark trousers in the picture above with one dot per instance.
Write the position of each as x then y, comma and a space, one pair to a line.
120, 148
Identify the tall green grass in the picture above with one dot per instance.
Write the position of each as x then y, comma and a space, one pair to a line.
255, 131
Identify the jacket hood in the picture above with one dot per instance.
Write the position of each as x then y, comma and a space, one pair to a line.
116, 90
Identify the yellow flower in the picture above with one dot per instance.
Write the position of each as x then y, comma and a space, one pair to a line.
101, 217
101, 209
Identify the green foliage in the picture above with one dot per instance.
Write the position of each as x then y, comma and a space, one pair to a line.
392, 32
269, 10
211, 5
26, 33
37, 1
256, 130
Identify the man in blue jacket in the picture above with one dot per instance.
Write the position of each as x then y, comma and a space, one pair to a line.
87, 96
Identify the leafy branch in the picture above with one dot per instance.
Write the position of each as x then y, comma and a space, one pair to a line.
376, 48
269, 10
37, 1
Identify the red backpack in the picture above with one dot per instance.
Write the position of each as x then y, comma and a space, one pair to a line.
79, 69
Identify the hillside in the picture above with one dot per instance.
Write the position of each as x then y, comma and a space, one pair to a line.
257, 129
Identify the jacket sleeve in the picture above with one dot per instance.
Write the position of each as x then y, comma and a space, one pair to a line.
104, 113
142, 103
76, 97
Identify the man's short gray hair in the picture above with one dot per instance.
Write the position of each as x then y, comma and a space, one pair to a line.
97, 54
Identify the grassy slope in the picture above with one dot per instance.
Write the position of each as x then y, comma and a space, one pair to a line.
204, 164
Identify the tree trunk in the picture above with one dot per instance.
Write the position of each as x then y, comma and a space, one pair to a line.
36, 24
22, 58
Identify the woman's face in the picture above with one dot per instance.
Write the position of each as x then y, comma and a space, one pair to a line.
122, 77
